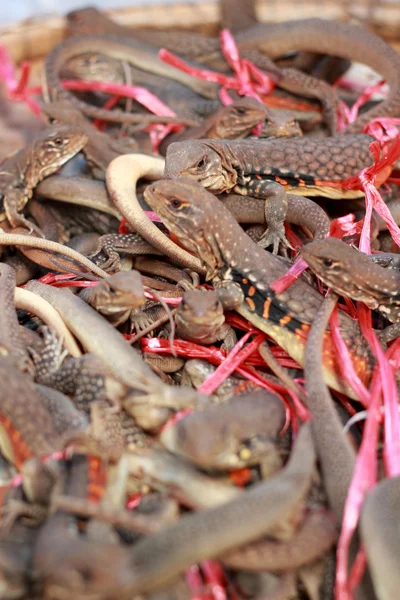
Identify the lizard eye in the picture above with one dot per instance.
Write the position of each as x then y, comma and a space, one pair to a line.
240, 110
327, 262
175, 203
202, 163
58, 141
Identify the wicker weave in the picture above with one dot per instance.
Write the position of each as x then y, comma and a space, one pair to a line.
26, 40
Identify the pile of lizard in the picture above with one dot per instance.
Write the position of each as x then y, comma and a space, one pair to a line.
175, 416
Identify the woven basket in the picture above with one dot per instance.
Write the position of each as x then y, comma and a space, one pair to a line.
25, 40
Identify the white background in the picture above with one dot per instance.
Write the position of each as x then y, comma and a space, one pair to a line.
15, 10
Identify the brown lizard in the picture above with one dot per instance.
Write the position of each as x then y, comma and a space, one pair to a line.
160, 557
15, 239
337, 467
273, 40
260, 169
352, 273
315, 536
200, 319
77, 190
167, 472
121, 179
98, 336
100, 148
131, 52
230, 436
116, 296
205, 227
380, 536
26, 426
11, 341
22, 171
300, 211
236, 121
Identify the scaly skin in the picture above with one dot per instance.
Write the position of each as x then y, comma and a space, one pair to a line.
200, 319
236, 121
380, 537
232, 435
352, 273
117, 293
129, 51
266, 169
11, 341
100, 148
209, 230
306, 166
21, 172
26, 428
342, 40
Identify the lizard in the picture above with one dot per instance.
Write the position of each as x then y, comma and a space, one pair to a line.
100, 148
229, 436
116, 296
26, 426
279, 122
11, 341
266, 169
158, 558
342, 40
380, 536
236, 121
129, 51
352, 273
164, 471
300, 211
200, 319
23, 170
315, 536
77, 190
207, 228
16, 239
128, 170
99, 337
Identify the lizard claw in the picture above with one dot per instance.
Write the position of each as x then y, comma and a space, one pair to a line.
274, 236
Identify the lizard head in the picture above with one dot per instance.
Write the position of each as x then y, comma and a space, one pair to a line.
201, 307
202, 161
190, 212
93, 67
118, 292
236, 120
350, 272
280, 123
56, 146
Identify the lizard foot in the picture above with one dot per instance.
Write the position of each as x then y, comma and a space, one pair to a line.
33, 515
274, 236
17, 220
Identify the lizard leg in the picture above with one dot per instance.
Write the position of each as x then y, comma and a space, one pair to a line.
14, 201
275, 213
300, 83
81, 378
114, 244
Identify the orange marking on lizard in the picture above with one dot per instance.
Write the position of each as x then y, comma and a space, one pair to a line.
267, 304
97, 478
21, 451
251, 304
285, 320
252, 290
